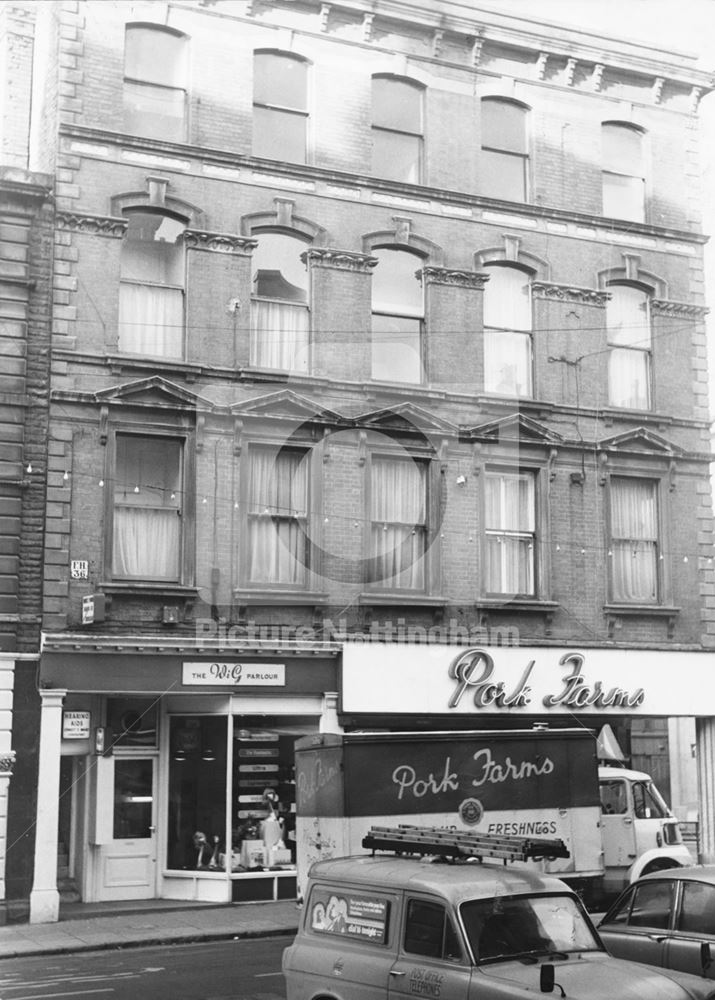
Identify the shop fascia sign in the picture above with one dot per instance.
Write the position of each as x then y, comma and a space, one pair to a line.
475, 677
521, 680
232, 674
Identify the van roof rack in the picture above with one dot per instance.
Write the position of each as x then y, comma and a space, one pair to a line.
433, 840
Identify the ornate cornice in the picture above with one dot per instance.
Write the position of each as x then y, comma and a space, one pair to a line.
100, 225
446, 276
569, 293
7, 759
341, 260
196, 239
668, 307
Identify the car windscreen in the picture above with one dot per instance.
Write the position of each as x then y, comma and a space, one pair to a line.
518, 926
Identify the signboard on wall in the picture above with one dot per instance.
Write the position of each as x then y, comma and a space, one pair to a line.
76, 725
232, 674
523, 680
93, 608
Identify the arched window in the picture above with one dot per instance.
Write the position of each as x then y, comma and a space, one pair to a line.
505, 155
507, 332
629, 340
280, 321
151, 289
155, 75
623, 173
280, 107
397, 317
397, 129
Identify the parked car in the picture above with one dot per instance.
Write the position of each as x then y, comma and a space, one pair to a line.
397, 926
666, 919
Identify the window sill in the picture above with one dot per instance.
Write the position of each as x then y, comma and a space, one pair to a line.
147, 587
641, 609
508, 603
280, 597
615, 611
402, 598
487, 606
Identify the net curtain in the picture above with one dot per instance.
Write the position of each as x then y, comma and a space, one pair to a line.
634, 529
278, 499
398, 515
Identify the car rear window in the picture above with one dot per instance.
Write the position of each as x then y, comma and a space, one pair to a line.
697, 909
652, 905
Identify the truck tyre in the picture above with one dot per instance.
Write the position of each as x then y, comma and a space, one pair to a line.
660, 865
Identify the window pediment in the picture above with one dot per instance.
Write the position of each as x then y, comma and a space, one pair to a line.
286, 405
641, 441
515, 427
405, 418
153, 392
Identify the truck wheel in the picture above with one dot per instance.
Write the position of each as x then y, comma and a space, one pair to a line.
660, 865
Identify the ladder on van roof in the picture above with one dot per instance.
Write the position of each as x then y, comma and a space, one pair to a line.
429, 840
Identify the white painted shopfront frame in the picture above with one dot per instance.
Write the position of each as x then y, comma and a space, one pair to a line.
207, 886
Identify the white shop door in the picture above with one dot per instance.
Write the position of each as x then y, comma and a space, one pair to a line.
127, 859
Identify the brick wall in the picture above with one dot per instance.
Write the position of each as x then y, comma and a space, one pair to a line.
559, 235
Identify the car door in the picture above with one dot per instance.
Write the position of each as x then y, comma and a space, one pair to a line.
431, 960
347, 943
639, 924
694, 926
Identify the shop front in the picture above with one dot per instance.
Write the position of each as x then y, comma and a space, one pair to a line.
176, 771
632, 692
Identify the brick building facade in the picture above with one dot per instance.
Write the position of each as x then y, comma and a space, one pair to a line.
371, 322
26, 227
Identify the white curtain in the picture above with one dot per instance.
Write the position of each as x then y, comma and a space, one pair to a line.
398, 515
634, 531
279, 335
151, 320
278, 501
507, 299
146, 543
507, 362
628, 378
509, 516
628, 323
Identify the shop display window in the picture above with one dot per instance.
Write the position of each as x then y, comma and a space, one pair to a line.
197, 792
261, 791
263, 824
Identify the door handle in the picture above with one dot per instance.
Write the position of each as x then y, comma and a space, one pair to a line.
658, 938
152, 829
396, 974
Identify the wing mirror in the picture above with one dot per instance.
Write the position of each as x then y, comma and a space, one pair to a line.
547, 979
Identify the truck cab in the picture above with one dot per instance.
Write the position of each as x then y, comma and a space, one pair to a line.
640, 834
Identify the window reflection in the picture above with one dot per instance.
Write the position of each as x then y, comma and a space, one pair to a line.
397, 314
197, 792
133, 799
261, 791
279, 308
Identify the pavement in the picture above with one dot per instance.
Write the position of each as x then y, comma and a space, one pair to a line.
84, 927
